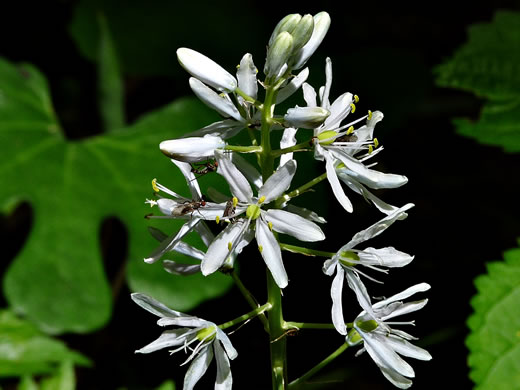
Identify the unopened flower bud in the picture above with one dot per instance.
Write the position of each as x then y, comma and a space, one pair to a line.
306, 117
278, 54
302, 32
192, 149
286, 24
321, 26
206, 70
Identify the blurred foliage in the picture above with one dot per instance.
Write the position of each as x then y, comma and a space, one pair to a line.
58, 280
489, 66
494, 342
25, 350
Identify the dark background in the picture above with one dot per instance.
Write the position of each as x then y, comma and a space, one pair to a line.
465, 194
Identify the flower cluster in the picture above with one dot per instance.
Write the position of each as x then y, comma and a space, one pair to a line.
258, 206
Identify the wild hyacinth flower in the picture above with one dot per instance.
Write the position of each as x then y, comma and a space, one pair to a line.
339, 145
347, 260
383, 343
203, 338
238, 234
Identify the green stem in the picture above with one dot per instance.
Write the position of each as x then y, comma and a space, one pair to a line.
244, 149
244, 317
250, 299
305, 251
303, 147
294, 384
311, 325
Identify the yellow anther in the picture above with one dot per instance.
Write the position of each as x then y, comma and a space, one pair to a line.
229, 246
350, 130
376, 143
154, 185
238, 66
260, 248
370, 149
217, 219
352, 107
356, 98
270, 224
235, 201
369, 114
261, 200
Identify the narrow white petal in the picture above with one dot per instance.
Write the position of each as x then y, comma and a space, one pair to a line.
246, 75
155, 307
339, 111
336, 292
356, 285
406, 308
193, 149
224, 379
169, 338
324, 95
226, 342
249, 171
213, 100
387, 257
288, 140
186, 322
294, 225
278, 182
407, 349
176, 268
218, 251
238, 184
321, 26
309, 95
224, 129
396, 379
335, 184
198, 368
292, 86
384, 355
206, 70
305, 213
329, 265
271, 253
191, 180
421, 287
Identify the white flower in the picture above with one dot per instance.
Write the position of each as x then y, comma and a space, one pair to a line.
383, 343
239, 233
347, 260
321, 26
178, 207
192, 149
203, 338
339, 145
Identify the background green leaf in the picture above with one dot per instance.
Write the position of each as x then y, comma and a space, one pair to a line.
489, 66
494, 342
24, 350
58, 280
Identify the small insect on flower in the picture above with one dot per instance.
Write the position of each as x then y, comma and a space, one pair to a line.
202, 169
188, 207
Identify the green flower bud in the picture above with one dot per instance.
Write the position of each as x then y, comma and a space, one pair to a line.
288, 24
306, 117
302, 32
278, 54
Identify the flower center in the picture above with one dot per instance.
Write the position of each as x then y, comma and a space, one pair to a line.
367, 326
343, 256
206, 334
253, 211
327, 137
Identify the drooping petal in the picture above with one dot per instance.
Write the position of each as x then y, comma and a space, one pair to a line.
294, 225
170, 243
271, 253
206, 70
405, 308
396, 379
198, 368
155, 307
405, 348
336, 292
246, 75
249, 171
335, 184
278, 182
288, 140
309, 95
329, 266
238, 184
339, 111
213, 100
224, 129
175, 268
226, 342
169, 338
224, 379
383, 355
292, 86
193, 149
191, 180
305, 213
321, 26
387, 257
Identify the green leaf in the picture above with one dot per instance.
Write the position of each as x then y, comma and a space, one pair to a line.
64, 379
58, 280
28, 383
489, 66
494, 341
168, 385
24, 350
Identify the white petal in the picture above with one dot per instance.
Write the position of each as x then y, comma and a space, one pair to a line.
396, 379
271, 253
176, 268
288, 140
336, 291
238, 184
224, 339
294, 225
309, 95
189, 250
191, 180
198, 368
249, 171
384, 355
155, 307
406, 308
224, 129
170, 243
292, 86
224, 379
213, 100
246, 75
329, 265
407, 349
206, 70
356, 285
169, 338
306, 117
186, 322
205, 234
324, 94
218, 251
335, 184
278, 182
321, 26
339, 111
305, 213
193, 149
387, 257
421, 287
379, 227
